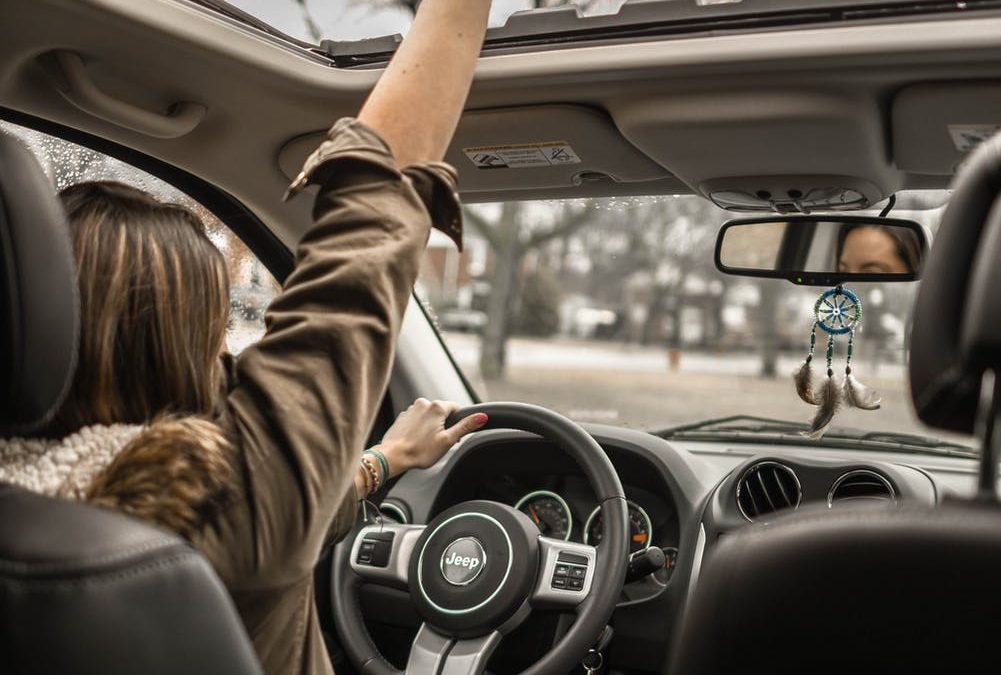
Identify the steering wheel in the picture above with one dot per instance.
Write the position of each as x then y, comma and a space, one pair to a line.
479, 568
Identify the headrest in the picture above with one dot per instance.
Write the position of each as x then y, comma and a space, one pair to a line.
945, 391
895, 589
980, 338
39, 306
88, 590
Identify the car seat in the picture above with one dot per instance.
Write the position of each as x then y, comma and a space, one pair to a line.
82, 589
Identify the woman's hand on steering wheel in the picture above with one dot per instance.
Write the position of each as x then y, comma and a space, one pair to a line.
478, 568
418, 438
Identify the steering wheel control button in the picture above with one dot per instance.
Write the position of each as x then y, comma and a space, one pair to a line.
569, 577
570, 572
572, 558
463, 561
375, 549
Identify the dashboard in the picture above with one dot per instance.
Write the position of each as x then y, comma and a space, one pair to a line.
684, 496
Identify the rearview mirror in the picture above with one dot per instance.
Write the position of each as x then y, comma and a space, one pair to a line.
822, 250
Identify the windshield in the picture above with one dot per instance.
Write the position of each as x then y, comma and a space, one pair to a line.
611, 310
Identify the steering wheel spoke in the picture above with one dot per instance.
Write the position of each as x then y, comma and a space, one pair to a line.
381, 553
566, 572
435, 653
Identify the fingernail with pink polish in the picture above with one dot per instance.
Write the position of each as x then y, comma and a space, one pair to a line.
480, 419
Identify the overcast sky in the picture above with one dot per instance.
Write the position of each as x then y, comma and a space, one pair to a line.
357, 19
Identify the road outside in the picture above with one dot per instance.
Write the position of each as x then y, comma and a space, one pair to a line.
633, 386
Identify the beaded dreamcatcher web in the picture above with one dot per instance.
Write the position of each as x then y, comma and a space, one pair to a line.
838, 311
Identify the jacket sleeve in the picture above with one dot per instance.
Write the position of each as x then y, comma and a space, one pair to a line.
304, 398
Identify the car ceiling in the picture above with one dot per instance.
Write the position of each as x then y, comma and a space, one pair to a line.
868, 104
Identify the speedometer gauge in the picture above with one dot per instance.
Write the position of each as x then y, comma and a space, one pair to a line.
640, 529
549, 512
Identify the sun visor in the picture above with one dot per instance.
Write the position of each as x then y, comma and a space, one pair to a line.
936, 125
547, 146
766, 150
527, 148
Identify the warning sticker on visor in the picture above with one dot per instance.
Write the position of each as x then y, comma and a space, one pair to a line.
522, 156
968, 136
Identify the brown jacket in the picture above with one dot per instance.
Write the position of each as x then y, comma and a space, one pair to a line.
304, 398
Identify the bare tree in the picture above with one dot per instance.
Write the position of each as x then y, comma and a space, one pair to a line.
669, 243
512, 235
768, 311
411, 5
312, 27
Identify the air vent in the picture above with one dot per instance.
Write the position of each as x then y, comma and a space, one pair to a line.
861, 485
767, 487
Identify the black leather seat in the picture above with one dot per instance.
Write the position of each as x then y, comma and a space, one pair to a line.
82, 589
857, 591
883, 590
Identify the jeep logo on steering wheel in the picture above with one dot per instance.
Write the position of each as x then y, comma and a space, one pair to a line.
462, 561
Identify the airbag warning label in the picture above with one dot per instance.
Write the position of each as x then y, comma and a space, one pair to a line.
522, 156
968, 136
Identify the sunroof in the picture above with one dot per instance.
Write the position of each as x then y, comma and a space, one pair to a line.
339, 20
366, 32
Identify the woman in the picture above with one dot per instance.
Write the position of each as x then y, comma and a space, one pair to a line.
878, 249
259, 459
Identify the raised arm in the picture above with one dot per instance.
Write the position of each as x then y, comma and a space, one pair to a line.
416, 105
303, 399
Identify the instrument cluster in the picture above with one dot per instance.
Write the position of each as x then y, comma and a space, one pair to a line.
554, 517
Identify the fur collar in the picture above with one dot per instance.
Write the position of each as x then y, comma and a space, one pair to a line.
175, 473
63, 467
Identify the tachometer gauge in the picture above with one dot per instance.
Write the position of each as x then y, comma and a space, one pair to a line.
640, 529
549, 512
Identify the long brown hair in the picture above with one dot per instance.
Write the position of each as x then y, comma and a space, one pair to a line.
907, 245
154, 302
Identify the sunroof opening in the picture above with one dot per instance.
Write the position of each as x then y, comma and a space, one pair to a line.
364, 33
344, 20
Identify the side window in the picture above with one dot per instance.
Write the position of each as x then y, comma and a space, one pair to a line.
251, 285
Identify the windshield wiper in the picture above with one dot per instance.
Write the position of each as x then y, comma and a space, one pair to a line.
752, 429
912, 439
735, 423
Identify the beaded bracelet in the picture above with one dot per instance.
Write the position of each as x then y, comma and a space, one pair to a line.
366, 480
383, 462
373, 469
371, 473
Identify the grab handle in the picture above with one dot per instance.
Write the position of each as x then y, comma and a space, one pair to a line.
84, 94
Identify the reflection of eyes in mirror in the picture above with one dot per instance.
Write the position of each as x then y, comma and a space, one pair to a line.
877, 249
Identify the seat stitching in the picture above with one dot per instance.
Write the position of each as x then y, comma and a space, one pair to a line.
100, 578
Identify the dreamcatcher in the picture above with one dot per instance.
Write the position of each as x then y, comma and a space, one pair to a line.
838, 311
